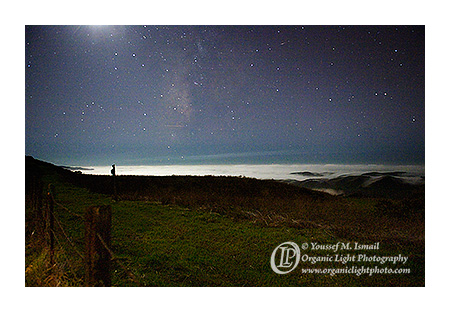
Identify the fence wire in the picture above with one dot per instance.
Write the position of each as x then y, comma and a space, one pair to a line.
122, 266
68, 261
68, 210
68, 238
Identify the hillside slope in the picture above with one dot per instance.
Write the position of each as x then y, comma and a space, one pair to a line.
211, 231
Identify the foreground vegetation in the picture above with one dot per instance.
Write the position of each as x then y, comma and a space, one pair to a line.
213, 231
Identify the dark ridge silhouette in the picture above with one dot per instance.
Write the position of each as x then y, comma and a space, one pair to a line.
379, 174
75, 168
130, 186
370, 184
308, 174
365, 185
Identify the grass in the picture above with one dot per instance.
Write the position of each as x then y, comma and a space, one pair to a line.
216, 231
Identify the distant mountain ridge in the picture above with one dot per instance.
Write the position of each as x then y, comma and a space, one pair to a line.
370, 184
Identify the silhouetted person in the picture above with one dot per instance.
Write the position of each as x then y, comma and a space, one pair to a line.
113, 172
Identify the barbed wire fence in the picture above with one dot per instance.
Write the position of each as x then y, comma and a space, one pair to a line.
91, 266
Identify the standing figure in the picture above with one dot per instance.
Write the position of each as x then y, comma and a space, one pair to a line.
113, 173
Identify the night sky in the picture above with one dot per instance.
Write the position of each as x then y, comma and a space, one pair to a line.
225, 94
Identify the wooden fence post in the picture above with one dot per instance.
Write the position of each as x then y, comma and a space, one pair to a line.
51, 222
98, 258
115, 188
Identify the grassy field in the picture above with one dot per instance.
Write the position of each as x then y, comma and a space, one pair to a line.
214, 231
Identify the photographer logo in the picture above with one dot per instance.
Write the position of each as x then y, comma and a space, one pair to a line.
285, 258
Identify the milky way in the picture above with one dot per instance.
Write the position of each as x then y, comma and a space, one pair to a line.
170, 94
